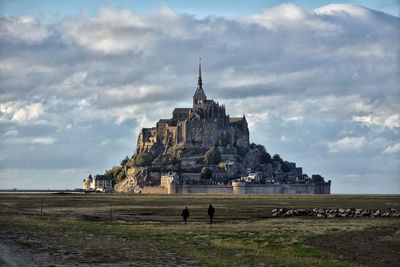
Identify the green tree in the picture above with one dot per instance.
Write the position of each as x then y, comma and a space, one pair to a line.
143, 159
265, 157
212, 157
276, 157
206, 173
124, 161
117, 172
285, 166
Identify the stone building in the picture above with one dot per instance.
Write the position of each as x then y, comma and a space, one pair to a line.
205, 124
103, 183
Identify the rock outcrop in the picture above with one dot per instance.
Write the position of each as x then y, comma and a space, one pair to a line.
134, 182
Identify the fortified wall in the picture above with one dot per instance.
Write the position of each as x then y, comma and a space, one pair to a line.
168, 186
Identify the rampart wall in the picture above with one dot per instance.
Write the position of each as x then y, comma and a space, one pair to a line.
290, 189
204, 189
241, 188
154, 190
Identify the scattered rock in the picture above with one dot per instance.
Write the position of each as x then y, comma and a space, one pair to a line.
332, 213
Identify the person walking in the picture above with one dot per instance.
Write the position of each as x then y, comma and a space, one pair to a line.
211, 212
185, 214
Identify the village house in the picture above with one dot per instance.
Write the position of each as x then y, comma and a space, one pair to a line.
102, 183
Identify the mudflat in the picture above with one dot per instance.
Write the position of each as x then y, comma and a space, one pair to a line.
147, 230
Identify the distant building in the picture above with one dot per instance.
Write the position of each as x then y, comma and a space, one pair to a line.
252, 177
102, 183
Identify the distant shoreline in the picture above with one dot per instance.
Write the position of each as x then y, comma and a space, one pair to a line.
79, 191
40, 191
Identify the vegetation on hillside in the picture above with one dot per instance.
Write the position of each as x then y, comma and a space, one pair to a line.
212, 156
142, 160
170, 161
206, 173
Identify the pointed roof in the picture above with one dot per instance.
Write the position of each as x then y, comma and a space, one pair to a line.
199, 94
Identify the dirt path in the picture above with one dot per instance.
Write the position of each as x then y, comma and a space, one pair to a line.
29, 253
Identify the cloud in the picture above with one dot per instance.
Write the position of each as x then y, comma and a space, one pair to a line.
118, 31
392, 149
390, 121
22, 112
347, 144
22, 29
133, 95
343, 10
45, 140
282, 16
28, 114
11, 132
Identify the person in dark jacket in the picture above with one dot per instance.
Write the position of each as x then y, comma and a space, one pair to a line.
185, 214
211, 212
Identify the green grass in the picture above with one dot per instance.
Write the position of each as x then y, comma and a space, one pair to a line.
243, 235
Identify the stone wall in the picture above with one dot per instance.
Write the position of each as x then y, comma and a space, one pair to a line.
187, 176
203, 189
243, 188
154, 190
287, 189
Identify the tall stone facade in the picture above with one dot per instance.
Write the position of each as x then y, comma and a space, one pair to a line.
205, 124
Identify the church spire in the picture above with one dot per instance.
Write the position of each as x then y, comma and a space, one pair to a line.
199, 96
200, 82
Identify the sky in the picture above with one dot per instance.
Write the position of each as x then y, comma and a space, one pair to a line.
318, 82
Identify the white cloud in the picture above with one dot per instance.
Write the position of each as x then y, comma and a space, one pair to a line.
392, 149
285, 15
347, 144
25, 28
28, 113
284, 139
390, 121
118, 31
145, 115
343, 10
11, 132
44, 140
7, 108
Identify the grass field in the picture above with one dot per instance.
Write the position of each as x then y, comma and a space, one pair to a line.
146, 230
